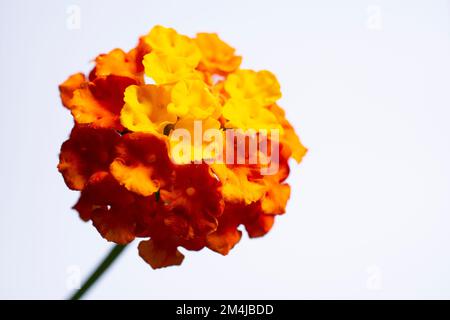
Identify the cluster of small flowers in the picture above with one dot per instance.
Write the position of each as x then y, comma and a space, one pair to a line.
118, 153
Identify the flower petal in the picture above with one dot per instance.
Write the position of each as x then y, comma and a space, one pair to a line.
168, 69
227, 235
118, 63
87, 151
261, 86
168, 42
67, 88
159, 255
217, 56
193, 98
195, 195
142, 163
260, 225
246, 114
289, 139
99, 102
145, 109
236, 184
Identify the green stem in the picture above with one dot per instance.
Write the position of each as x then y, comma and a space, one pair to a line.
102, 267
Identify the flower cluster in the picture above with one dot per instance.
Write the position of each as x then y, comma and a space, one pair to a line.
118, 154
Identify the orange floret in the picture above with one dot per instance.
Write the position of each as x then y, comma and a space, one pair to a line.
67, 88
119, 63
100, 101
87, 151
142, 163
217, 56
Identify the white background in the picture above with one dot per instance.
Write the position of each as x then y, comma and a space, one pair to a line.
365, 83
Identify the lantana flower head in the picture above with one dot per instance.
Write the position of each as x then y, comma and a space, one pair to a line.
136, 181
